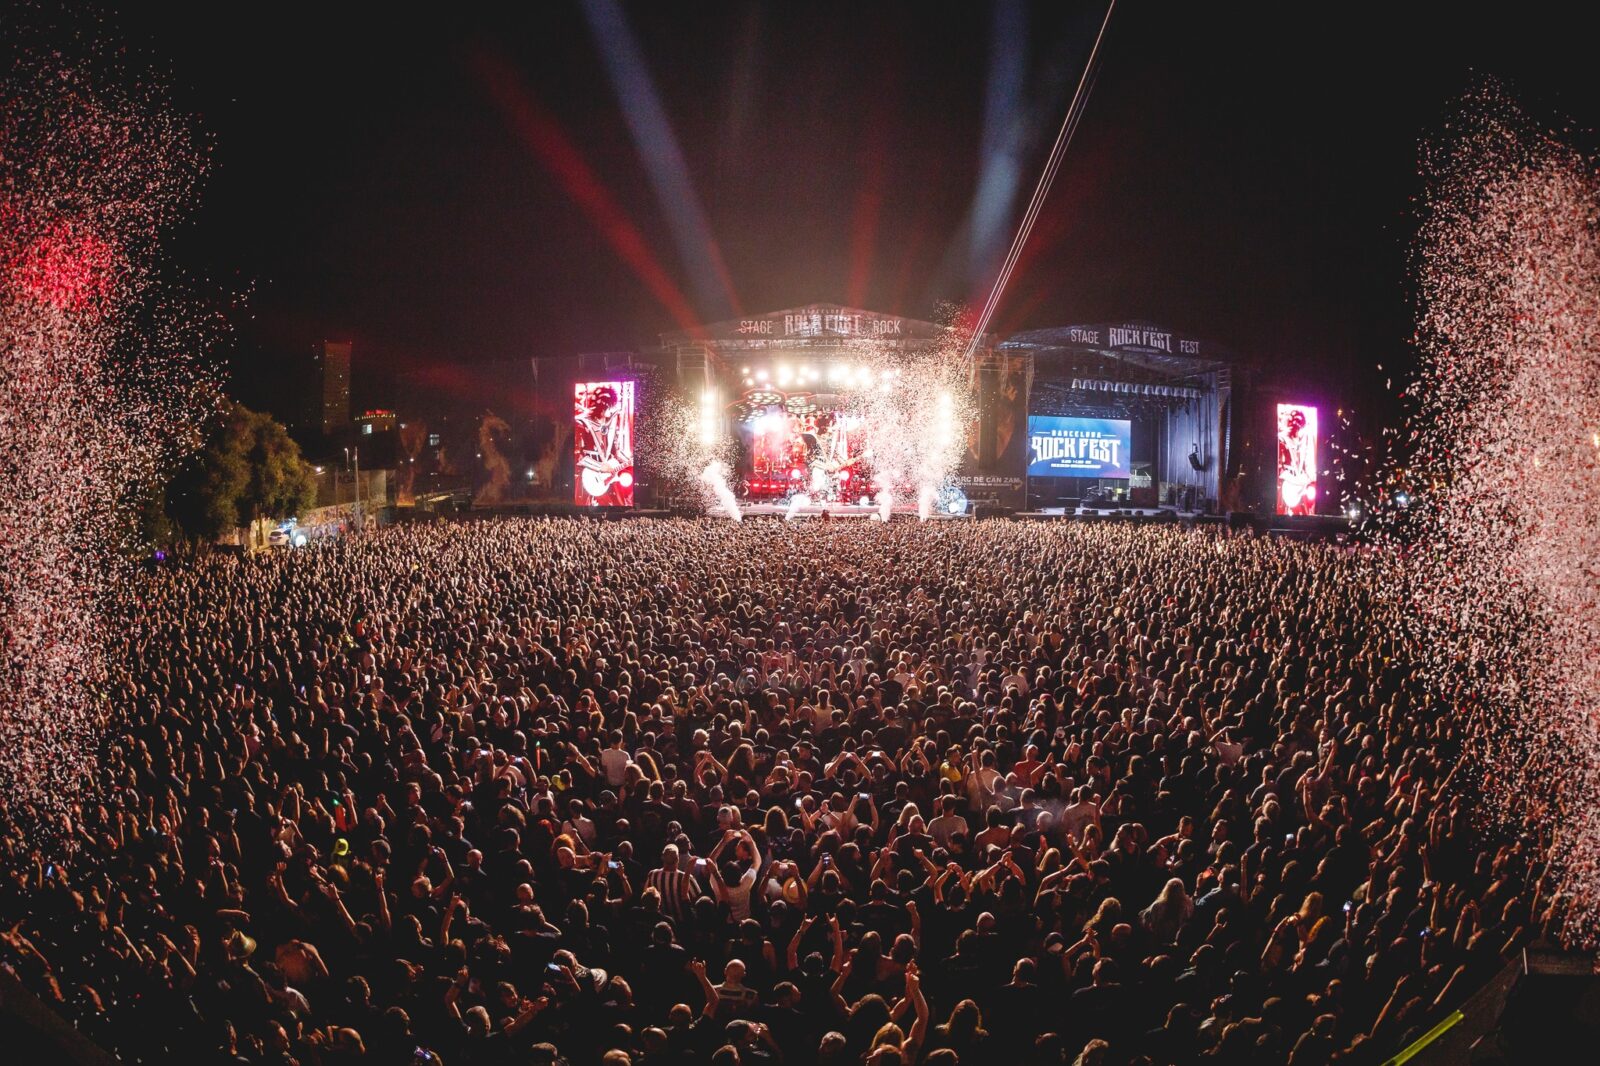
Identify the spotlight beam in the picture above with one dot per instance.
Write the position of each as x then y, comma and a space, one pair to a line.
542, 135
662, 157
1041, 191
1001, 171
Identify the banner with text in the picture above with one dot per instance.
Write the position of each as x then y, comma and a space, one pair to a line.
1078, 447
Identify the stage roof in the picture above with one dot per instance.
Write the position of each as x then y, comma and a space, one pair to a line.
1144, 347
812, 325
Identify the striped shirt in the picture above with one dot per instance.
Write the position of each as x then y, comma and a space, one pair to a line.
671, 885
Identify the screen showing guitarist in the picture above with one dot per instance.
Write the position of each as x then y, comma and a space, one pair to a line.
602, 439
834, 457
1297, 459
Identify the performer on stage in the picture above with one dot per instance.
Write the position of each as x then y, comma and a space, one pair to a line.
832, 465
602, 439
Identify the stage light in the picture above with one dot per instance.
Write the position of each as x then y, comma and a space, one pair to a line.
838, 372
709, 403
955, 507
866, 501
299, 540
844, 476
749, 381
625, 479
744, 370
784, 375
1353, 513
761, 375
1403, 500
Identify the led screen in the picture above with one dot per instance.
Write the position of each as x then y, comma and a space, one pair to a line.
1078, 447
821, 453
1297, 459
602, 443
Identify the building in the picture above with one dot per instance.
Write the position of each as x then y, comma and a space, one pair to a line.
333, 368
369, 423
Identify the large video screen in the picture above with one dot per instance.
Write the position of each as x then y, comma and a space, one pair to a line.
1297, 459
821, 453
1078, 447
602, 443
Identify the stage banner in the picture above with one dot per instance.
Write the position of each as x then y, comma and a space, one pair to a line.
1079, 447
992, 468
602, 443
1297, 459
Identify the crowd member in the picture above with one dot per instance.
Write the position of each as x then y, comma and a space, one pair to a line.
695, 792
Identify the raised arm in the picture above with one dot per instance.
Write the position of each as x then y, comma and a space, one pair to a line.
836, 990
526, 1015
792, 957
919, 1003
384, 918
698, 968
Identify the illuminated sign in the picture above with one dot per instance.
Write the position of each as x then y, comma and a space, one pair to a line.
1078, 447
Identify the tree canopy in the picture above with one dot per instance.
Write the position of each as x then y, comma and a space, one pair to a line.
250, 469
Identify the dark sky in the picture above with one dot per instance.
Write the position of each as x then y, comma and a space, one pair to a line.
1245, 173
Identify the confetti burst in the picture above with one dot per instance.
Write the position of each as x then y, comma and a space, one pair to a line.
915, 419
1503, 549
100, 385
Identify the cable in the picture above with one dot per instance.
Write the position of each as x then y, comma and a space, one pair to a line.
1041, 191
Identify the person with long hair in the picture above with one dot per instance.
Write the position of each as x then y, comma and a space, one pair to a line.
1164, 919
963, 1031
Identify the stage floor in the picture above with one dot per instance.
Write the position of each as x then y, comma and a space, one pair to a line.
780, 509
833, 510
1109, 512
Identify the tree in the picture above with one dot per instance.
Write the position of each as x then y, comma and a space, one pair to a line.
250, 469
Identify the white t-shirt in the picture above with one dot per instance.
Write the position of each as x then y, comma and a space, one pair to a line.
614, 761
738, 895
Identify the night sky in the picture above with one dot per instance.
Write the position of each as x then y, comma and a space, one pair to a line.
1244, 173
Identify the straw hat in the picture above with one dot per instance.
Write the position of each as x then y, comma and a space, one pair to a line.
238, 946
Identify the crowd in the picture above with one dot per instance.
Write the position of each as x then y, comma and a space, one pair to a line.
699, 792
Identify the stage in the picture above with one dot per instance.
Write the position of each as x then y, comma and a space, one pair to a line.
780, 509
1110, 512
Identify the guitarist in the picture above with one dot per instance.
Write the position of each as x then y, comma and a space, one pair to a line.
1297, 480
605, 452
830, 454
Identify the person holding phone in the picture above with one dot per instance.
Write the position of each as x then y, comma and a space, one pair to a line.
733, 887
